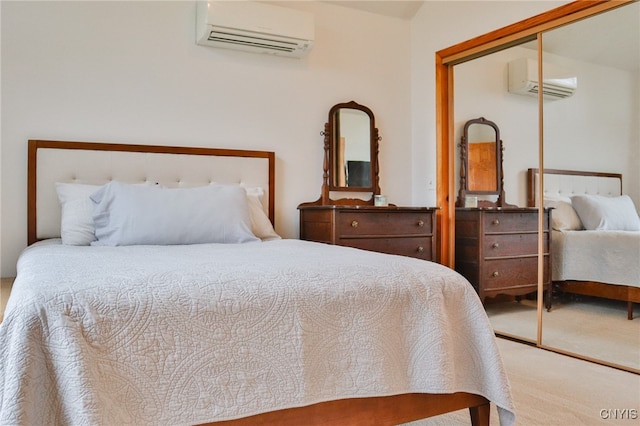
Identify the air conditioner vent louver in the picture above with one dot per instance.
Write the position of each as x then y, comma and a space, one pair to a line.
260, 43
558, 83
254, 27
551, 91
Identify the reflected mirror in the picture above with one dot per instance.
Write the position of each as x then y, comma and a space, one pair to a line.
480, 163
351, 148
480, 159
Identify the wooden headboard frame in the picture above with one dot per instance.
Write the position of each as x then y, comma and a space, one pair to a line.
565, 183
98, 163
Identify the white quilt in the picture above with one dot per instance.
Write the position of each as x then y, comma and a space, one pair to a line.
171, 335
611, 257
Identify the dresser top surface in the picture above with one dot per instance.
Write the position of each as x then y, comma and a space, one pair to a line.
368, 208
500, 209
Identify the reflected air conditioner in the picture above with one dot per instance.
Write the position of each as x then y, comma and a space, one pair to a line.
558, 83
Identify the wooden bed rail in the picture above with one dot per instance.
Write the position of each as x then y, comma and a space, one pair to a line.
374, 411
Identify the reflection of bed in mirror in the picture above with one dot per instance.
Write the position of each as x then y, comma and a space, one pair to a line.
595, 234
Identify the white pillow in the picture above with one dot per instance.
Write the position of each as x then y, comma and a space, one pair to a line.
598, 212
563, 216
261, 226
128, 215
76, 225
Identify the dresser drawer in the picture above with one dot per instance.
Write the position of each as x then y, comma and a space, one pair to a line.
496, 222
418, 247
384, 223
404, 231
497, 245
511, 273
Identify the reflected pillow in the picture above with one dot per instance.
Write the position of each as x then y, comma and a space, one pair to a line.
563, 216
130, 215
598, 212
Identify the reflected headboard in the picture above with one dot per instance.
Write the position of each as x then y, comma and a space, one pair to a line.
98, 163
565, 183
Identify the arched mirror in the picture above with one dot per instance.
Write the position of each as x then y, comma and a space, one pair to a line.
352, 140
350, 154
480, 163
351, 147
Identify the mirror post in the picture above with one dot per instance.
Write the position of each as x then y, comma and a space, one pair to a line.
324, 194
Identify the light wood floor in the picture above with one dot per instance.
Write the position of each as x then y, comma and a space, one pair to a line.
553, 389
593, 327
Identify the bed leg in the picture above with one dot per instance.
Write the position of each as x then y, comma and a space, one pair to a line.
629, 310
548, 299
480, 414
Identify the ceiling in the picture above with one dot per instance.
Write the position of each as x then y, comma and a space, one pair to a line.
611, 38
404, 9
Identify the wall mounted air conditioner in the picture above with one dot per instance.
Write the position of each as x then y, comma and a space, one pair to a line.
254, 27
558, 83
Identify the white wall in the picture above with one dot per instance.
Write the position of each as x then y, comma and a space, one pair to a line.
131, 72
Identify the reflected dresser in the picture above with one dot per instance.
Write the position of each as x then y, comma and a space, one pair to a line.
497, 250
406, 231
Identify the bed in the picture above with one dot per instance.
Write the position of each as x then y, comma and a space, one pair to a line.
595, 234
258, 331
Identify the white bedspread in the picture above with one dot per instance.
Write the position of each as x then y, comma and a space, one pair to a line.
611, 257
190, 334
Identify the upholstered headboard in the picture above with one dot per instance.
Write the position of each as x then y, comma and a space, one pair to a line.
565, 183
98, 163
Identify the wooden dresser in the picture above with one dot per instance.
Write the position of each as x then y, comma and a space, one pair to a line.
497, 250
407, 231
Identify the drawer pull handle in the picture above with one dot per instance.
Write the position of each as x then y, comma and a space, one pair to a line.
420, 249
354, 224
495, 274
421, 223
495, 222
495, 245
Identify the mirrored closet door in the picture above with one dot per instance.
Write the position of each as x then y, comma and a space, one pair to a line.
591, 141
585, 120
